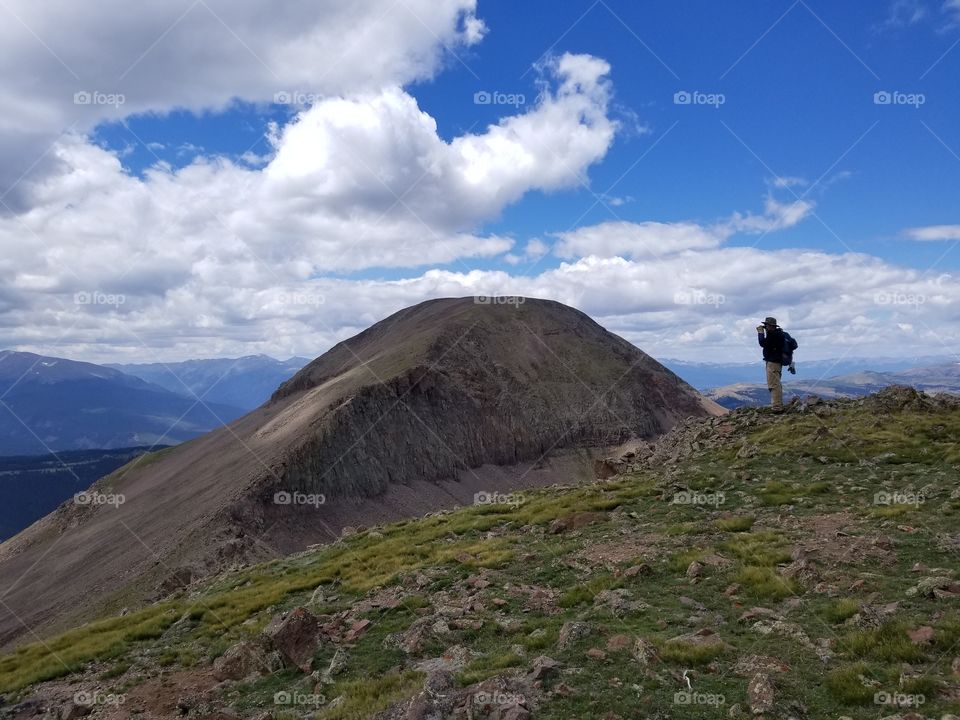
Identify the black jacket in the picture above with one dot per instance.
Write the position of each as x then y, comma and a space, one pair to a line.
772, 344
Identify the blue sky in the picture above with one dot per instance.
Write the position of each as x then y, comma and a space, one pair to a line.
798, 80
230, 223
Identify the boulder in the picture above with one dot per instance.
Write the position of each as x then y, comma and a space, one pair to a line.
297, 637
240, 661
760, 694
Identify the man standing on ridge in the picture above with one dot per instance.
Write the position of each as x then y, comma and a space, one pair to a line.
776, 345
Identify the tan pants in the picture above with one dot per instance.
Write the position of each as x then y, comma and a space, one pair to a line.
774, 371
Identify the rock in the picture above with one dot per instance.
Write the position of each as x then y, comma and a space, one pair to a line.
694, 569
356, 630
752, 664
616, 643
240, 661
72, 711
618, 601
637, 570
596, 654
338, 664
575, 521
571, 632
760, 694
691, 603
415, 637
454, 659
758, 612
296, 637
923, 635
929, 586
955, 667
701, 638
543, 667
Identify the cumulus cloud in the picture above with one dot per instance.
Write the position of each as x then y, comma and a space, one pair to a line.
94, 62
933, 233
352, 183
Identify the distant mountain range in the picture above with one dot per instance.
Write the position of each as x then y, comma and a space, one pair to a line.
938, 378
245, 382
707, 376
52, 404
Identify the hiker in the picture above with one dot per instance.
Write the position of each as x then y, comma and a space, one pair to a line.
778, 349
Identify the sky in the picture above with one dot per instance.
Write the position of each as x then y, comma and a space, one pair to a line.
213, 178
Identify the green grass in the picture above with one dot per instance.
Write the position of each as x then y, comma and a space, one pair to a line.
74, 649
841, 610
369, 695
451, 546
764, 549
888, 643
846, 686
687, 654
735, 524
765, 583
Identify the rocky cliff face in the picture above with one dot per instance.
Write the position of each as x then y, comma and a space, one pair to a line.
498, 384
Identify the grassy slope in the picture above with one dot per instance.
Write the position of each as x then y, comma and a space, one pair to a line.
804, 470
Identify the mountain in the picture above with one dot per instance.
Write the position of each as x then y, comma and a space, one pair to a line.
51, 404
757, 565
707, 376
245, 382
934, 379
32, 486
447, 402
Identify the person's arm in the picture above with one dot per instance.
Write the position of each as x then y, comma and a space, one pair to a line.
760, 336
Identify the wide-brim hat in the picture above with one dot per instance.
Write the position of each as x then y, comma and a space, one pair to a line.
770, 321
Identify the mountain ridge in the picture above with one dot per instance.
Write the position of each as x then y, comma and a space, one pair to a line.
381, 437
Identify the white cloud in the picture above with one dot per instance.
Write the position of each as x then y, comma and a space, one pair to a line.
201, 56
933, 233
353, 183
776, 216
636, 240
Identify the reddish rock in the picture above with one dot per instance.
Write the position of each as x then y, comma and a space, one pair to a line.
596, 654
637, 570
356, 630
296, 637
923, 635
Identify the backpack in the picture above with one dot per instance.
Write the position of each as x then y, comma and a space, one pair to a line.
789, 345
